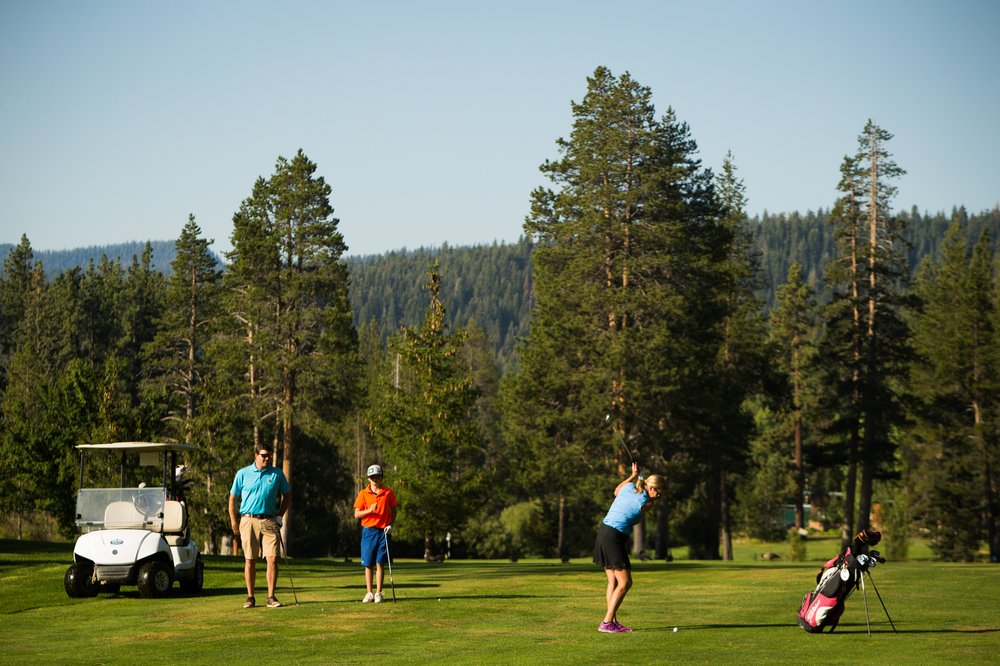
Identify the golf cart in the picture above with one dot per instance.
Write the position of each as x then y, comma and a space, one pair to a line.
134, 535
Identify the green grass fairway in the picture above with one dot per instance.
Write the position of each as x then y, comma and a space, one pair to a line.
486, 612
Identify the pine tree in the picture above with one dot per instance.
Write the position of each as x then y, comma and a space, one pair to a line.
178, 371
953, 443
287, 288
628, 250
792, 328
425, 424
867, 348
743, 357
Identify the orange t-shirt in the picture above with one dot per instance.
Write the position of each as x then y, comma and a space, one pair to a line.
385, 501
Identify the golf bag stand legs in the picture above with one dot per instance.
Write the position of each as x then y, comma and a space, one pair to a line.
864, 594
875, 587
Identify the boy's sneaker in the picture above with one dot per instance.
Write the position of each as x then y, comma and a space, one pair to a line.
368, 598
272, 602
378, 597
250, 602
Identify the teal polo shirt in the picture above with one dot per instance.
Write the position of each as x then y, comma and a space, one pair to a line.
259, 489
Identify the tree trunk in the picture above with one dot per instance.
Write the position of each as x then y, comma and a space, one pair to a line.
639, 538
287, 459
663, 534
989, 492
727, 532
865, 494
561, 538
847, 530
800, 477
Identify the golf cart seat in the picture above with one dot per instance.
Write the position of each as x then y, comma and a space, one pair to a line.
123, 516
174, 522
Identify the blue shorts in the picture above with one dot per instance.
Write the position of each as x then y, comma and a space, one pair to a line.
373, 547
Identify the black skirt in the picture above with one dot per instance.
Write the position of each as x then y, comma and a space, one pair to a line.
611, 549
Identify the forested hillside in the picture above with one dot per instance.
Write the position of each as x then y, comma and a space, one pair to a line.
491, 284
57, 261
785, 238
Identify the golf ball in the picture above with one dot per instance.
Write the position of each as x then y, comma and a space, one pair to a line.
675, 629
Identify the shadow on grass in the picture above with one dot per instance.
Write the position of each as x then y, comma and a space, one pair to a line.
401, 586
850, 630
881, 630
455, 597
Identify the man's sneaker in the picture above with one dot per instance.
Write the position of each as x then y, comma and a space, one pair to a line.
378, 597
250, 602
272, 602
368, 598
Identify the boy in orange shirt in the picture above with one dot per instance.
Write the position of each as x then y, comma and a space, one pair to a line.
376, 507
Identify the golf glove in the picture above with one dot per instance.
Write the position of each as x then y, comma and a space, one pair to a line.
388, 530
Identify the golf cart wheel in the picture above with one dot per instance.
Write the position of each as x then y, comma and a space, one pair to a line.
154, 580
79, 581
196, 581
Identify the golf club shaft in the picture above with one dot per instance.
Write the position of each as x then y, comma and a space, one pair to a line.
288, 569
388, 558
621, 441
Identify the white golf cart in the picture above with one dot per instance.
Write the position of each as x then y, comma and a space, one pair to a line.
134, 536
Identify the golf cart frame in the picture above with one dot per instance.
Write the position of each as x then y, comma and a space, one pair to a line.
134, 535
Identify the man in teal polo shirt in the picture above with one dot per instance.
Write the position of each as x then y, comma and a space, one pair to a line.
258, 487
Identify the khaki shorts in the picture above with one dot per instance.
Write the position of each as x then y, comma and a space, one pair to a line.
256, 533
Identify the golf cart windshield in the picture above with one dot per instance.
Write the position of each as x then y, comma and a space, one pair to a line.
120, 508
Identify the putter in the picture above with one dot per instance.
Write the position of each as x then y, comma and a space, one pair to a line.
607, 419
284, 552
389, 558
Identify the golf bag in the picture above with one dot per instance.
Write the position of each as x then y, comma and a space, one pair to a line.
840, 576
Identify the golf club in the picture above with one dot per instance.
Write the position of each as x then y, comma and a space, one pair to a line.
607, 419
281, 543
385, 534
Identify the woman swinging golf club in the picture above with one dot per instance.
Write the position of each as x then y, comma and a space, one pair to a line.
611, 549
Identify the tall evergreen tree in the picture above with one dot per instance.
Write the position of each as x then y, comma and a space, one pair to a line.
425, 424
954, 452
178, 374
288, 290
626, 252
743, 359
15, 285
792, 329
867, 338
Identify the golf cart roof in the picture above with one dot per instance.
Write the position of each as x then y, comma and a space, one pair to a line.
139, 447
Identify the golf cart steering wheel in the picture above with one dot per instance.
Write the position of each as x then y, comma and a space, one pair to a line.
146, 504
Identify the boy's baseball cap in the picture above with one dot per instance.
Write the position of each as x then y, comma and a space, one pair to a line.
375, 470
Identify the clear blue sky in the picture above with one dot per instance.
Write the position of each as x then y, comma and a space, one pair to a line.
430, 119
